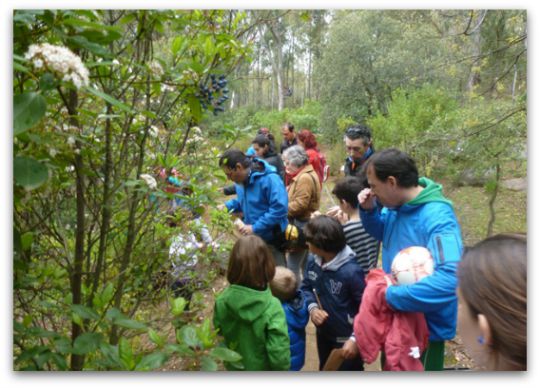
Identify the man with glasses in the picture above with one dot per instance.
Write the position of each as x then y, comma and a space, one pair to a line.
359, 147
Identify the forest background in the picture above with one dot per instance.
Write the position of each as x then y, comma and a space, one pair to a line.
463, 112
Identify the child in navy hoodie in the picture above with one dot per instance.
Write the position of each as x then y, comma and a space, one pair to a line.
333, 285
284, 287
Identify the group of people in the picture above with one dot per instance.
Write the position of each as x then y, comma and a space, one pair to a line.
384, 207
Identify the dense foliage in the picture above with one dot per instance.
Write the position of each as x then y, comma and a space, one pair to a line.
103, 100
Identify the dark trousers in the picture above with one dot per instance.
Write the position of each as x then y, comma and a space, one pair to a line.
325, 346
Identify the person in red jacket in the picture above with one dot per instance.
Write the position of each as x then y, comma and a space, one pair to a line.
400, 335
307, 140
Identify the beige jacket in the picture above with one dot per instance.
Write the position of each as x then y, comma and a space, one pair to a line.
304, 194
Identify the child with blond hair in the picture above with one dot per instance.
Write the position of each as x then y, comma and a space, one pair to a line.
284, 287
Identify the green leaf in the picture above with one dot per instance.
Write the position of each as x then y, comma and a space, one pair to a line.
126, 353
82, 42
195, 107
152, 361
62, 345
188, 336
47, 82
182, 350
130, 324
110, 99
29, 173
60, 361
208, 364
107, 293
177, 44
225, 354
178, 306
110, 353
84, 312
156, 338
28, 109
86, 343
113, 314
26, 240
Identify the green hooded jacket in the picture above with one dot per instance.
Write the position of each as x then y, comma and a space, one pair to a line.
432, 193
253, 324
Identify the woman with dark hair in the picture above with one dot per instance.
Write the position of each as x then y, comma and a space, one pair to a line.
265, 148
492, 312
307, 140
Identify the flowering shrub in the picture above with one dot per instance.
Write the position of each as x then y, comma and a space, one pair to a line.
61, 61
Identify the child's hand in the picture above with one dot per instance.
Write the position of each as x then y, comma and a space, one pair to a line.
343, 218
318, 316
350, 350
366, 199
333, 211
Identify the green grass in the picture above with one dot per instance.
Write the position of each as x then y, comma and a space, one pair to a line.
472, 208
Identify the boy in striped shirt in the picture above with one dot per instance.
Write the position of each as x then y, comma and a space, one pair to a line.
366, 247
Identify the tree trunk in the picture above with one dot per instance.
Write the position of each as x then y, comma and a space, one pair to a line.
474, 76
77, 361
492, 201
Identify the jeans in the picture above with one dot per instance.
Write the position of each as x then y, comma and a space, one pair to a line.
279, 255
296, 262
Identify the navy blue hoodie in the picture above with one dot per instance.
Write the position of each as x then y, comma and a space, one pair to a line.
340, 286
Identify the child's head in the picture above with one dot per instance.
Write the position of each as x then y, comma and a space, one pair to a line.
251, 263
283, 285
493, 302
325, 233
347, 189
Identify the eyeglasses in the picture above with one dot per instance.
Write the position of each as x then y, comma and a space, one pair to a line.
355, 149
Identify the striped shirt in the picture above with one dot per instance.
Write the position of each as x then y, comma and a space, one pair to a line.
361, 242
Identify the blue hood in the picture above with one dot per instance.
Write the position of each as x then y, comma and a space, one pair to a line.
263, 201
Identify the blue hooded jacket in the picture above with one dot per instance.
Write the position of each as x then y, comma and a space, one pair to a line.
428, 221
340, 285
263, 200
297, 316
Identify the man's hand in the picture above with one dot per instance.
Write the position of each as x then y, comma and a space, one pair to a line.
246, 229
366, 199
221, 207
318, 316
350, 350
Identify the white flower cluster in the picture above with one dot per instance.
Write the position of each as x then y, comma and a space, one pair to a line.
156, 68
154, 131
149, 180
196, 136
167, 88
61, 61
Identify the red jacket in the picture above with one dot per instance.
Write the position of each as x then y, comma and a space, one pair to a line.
317, 163
402, 336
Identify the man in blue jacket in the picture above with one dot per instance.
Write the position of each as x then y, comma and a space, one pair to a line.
260, 196
402, 210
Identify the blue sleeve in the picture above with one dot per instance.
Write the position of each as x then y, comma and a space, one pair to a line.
433, 292
234, 205
277, 205
373, 222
